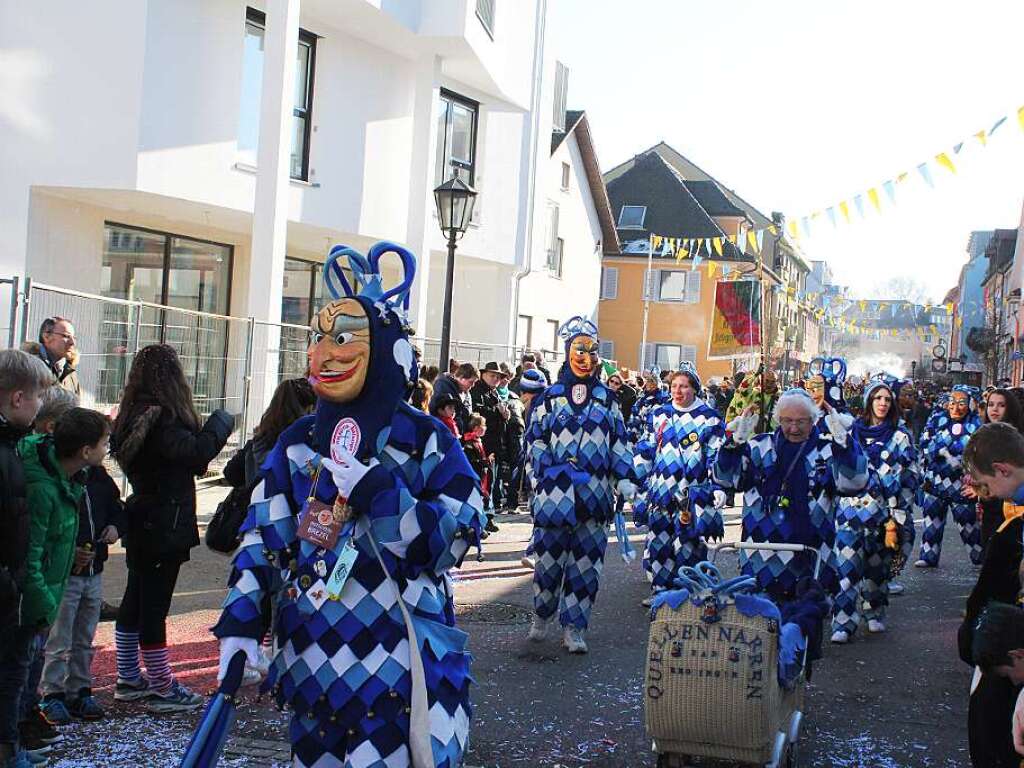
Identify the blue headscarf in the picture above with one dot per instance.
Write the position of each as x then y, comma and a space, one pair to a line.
392, 370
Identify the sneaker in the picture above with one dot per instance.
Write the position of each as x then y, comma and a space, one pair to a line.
55, 711
647, 602
875, 626
37, 731
895, 588
108, 612
132, 690
573, 640
923, 564
538, 629
177, 699
86, 708
839, 637
527, 562
491, 527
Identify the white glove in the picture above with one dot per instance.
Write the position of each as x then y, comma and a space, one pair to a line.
346, 473
743, 427
719, 499
229, 646
836, 427
627, 489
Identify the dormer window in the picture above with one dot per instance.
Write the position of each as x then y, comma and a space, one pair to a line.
632, 216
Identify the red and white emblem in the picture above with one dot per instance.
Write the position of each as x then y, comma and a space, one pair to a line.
579, 394
345, 438
958, 429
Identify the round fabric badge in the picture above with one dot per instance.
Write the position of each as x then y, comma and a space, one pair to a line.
958, 429
579, 394
345, 438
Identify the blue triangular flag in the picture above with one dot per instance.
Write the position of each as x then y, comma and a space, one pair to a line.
957, 148
831, 211
998, 123
926, 174
858, 200
890, 190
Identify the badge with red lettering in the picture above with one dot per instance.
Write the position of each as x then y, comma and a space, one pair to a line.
579, 393
345, 439
319, 525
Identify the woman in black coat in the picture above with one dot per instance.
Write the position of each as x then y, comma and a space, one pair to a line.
162, 447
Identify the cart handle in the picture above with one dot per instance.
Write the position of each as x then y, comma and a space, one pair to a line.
769, 547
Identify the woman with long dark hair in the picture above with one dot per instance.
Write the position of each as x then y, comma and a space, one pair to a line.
869, 525
162, 447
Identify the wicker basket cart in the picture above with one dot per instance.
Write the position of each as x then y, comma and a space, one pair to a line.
710, 684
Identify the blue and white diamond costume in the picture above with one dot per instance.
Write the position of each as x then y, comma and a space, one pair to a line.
677, 498
790, 492
942, 447
642, 410
577, 452
863, 560
344, 663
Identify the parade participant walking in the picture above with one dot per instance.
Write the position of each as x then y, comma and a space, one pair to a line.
912, 410
363, 506
942, 447
792, 479
868, 526
161, 446
678, 502
653, 396
577, 449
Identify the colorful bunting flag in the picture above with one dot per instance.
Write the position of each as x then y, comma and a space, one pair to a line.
943, 159
926, 174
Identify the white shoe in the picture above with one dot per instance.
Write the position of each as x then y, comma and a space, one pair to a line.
839, 637
875, 626
922, 564
646, 602
527, 562
895, 588
538, 629
573, 640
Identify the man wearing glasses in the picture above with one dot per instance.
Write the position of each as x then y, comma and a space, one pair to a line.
57, 349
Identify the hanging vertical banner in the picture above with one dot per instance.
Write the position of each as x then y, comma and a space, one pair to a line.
735, 320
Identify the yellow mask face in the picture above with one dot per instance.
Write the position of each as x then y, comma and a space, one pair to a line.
583, 356
816, 389
339, 351
958, 406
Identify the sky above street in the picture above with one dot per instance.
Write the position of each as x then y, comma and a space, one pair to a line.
798, 105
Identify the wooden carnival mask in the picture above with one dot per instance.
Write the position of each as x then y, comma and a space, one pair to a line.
339, 351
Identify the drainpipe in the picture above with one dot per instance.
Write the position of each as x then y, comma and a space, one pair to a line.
523, 267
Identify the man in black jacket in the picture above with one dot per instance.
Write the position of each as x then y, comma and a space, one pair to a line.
458, 385
23, 378
496, 414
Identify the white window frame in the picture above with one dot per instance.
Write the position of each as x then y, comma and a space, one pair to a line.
609, 283
643, 216
566, 176
607, 349
691, 288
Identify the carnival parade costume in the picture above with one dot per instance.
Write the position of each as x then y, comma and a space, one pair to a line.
942, 447
868, 525
643, 407
790, 492
576, 450
362, 550
678, 498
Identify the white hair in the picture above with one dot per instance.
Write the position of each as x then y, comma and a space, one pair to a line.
796, 397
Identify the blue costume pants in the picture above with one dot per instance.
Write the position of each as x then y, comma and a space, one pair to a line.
666, 551
568, 571
865, 565
966, 518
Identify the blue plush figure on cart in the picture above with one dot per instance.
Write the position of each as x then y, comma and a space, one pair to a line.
362, 510
868, 525
679, 502
942, 448
577, 451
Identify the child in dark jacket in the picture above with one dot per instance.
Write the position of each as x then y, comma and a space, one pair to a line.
67, 678
473, 445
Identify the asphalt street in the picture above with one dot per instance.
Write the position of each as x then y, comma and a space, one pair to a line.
896, 700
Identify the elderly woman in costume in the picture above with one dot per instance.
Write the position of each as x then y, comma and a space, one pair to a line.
577, 451
942, 447
791, 480
680, 504
362, 509
868, 525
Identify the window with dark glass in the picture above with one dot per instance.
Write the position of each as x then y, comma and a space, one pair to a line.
252, 85
456, 138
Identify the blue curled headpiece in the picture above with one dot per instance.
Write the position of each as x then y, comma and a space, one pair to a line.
575, 327
972, 392
881, 380
833, 371
685, 366
392, 367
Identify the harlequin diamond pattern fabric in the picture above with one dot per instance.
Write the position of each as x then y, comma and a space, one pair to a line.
568, 571
673, 460
642, 409
833, 470
343, 667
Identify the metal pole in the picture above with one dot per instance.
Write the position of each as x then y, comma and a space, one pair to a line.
446, 320
247, 380
647, 303
24, 309
12, 331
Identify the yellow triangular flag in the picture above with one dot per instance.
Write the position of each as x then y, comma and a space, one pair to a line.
732, 239
717, 243
943, 159
982, 137
863, 305
656, 242
845, 208
873, 197
711, 269
773, 230
792, 230
902, 177
1020, 117
752, 240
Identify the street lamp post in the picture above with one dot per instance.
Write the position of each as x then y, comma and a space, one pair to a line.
454, 199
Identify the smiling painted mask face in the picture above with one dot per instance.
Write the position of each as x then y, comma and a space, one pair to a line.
958, 406
816, 389
339, 351
583, 356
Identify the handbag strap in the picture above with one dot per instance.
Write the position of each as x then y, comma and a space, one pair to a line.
420, 750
